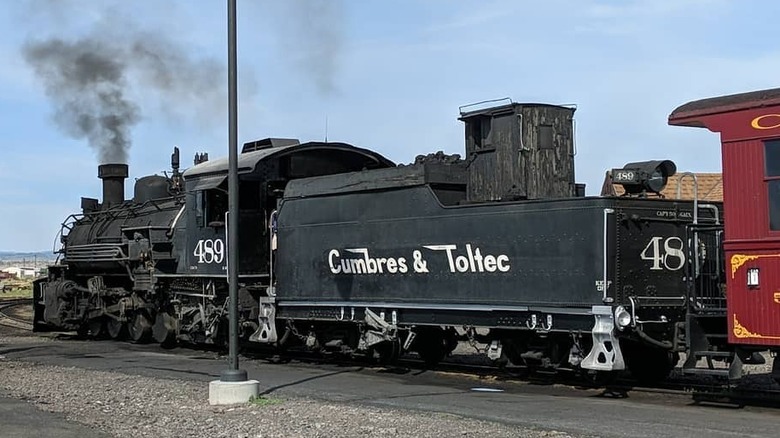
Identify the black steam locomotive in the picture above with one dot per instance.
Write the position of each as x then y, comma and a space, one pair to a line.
342, 250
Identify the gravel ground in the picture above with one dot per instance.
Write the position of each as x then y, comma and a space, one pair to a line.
133, 406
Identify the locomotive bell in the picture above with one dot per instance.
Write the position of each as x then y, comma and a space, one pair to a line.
644, 176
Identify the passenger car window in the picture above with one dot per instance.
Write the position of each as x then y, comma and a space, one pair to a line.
772, 178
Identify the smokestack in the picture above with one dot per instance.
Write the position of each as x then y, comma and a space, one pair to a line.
113, 176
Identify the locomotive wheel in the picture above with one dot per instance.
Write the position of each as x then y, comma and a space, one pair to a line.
164, 330
115, 328
95, 326
140, 328
83, 330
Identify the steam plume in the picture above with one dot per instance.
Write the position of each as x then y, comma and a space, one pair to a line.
318, 36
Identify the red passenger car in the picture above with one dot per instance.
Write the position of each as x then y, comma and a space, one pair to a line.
749, 127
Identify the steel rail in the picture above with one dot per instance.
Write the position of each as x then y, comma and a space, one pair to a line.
11, 321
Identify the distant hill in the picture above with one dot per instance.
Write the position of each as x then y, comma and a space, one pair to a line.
33, 255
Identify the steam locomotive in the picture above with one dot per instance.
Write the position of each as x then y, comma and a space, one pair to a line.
343, 250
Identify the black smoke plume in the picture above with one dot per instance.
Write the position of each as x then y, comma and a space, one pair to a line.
86, 81
91, 83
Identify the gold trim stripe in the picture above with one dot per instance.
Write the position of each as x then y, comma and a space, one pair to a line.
737, 260
742, 332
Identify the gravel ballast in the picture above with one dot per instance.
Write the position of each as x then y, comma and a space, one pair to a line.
133, 406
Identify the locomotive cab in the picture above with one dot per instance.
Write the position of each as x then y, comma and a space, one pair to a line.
264, 167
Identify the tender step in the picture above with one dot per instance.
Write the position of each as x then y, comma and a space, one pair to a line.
722, 372
714, 353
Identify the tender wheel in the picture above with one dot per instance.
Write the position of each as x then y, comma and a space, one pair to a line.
388, 352
115, 328
433, 344
140, 328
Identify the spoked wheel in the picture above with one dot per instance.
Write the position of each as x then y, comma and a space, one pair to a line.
115, 328
140, 328
83, 330
164, 330
95, 327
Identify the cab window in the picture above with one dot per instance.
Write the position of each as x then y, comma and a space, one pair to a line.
213, 205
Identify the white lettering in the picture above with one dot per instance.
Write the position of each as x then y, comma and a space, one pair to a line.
478, 259
333, 267
503, 263
490, 263
474, 260
209, 251
671, 258
392, 266
470, 259
462, 263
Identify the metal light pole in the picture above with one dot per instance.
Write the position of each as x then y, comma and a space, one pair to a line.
233, 374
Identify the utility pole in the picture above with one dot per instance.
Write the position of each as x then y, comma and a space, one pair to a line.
233, 386
233, 374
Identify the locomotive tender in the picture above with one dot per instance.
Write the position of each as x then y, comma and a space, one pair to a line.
340, 249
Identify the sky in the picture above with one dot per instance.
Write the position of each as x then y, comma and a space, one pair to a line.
384, 75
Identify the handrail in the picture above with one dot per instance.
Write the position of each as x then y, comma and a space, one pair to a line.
695, 193
607, 212
460, 108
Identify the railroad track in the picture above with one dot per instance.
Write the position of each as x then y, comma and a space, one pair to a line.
697, 391
700, 392
11, 321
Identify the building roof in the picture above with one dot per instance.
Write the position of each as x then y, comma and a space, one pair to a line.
710, 187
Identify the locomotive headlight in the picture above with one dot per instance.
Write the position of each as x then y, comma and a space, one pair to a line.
622, 317
644, 176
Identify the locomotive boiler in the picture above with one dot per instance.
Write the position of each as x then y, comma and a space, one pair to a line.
341, 249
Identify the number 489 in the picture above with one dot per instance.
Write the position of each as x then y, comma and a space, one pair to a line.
210, 251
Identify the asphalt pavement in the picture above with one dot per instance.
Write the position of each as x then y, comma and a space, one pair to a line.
19, 419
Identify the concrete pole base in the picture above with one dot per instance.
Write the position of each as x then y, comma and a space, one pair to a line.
232, 393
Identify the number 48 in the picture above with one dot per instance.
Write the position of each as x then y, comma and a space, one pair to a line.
670, 257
